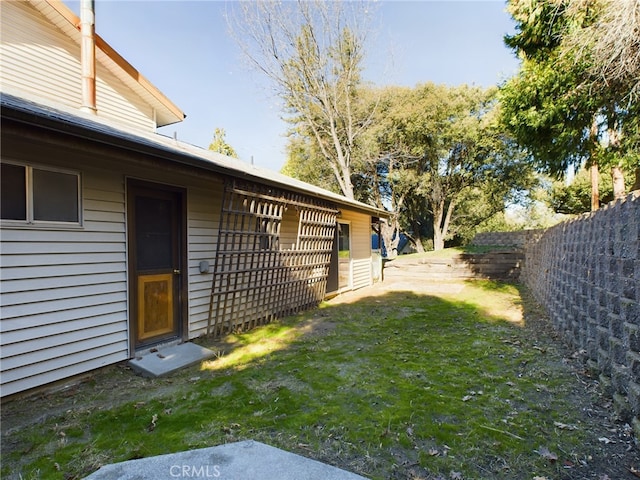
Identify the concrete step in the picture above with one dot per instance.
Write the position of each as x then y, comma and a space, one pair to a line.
232, 461
162, 361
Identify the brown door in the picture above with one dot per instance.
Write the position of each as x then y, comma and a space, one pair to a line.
155, 221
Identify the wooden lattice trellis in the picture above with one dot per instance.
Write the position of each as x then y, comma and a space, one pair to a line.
255, 278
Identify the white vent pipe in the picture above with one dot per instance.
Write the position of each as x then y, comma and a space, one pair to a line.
88, 55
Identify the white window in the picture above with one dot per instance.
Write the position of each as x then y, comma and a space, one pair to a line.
344, 240
39, 195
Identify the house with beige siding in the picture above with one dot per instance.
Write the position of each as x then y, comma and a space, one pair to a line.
115, 239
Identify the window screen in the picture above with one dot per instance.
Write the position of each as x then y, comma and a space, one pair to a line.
34, 194
343, 240
13, 201
55, 196
153, 233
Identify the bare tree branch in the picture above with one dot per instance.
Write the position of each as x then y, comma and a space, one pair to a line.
312, 51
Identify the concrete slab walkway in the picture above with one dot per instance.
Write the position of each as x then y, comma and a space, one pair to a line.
247, 460
165, 360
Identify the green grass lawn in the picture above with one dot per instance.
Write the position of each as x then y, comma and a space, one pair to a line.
391, 386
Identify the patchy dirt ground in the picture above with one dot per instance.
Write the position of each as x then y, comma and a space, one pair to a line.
616, 452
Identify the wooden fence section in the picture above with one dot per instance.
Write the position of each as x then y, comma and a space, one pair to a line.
258, 277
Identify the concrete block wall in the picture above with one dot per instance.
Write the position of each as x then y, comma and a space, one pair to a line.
586, 273
517, 238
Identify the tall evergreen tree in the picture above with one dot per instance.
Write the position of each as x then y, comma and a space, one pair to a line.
553, 107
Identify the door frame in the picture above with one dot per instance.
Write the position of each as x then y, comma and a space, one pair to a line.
181, 290
333, 275
349, 285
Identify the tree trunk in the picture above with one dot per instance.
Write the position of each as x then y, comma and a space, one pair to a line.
595, 195
347, 188
595, 188
617, 176
441, 223
636, 184
389, 231
438, 239
417, 238
416, 241
438, 234
447, 220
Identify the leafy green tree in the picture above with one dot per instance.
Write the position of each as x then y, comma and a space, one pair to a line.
476, 213
380, 167
553, 106
438, 146
304, 163
542, 105
575, 198
611, 47
220, 145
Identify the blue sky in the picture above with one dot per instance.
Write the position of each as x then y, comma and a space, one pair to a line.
184, 49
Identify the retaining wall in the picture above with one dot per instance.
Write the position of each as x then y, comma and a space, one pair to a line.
586, 273
503, 266
506, 239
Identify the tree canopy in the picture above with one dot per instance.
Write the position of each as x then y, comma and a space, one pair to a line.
575, 197
558, 107
306, 164
220, 145
443, 147
443, 159
433, 156
611, 45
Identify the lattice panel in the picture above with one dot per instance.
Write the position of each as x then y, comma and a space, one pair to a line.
256, 279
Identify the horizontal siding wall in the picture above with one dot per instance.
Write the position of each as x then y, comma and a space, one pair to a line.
361, 272
204, 218
360, 248
64, 292
38, 59
32, 48
116, 101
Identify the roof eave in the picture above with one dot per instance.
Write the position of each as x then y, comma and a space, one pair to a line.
167, 112
158, 150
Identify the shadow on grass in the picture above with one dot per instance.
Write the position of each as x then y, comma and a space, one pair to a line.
246, 347
398, 385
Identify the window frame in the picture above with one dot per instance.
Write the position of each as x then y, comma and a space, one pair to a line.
346, 223
30, 221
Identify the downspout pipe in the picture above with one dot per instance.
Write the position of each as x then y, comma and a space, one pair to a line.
88, 55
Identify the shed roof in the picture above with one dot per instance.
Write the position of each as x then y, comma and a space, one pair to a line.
63, 18
83, 125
